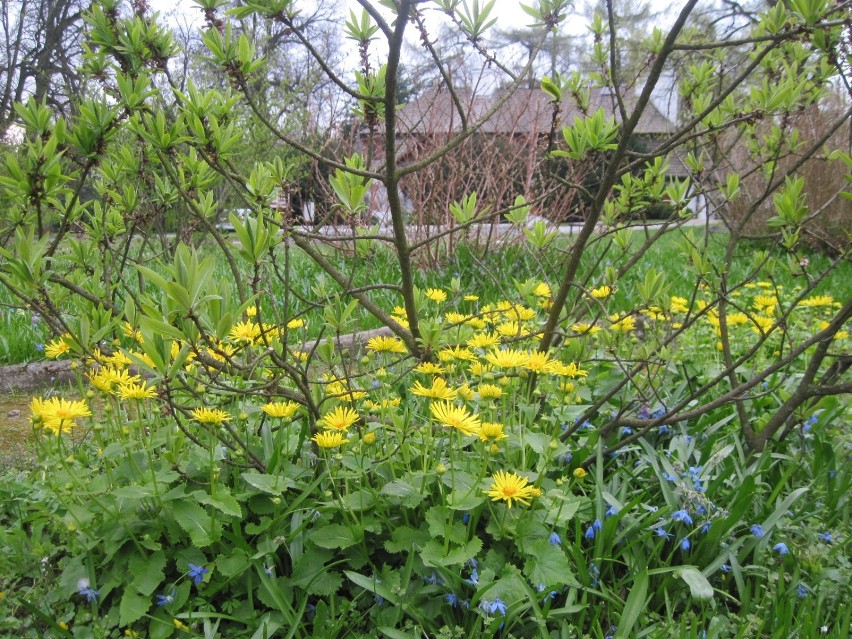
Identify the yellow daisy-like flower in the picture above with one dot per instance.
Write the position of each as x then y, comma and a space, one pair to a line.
569, 370
765, 303
251, 311
509, 358
762, 325
510, 329
452, 416
455, 318
385, 404
510, 487
132, 332
601, 292
429, 368
436, 295
221, 351
491, 432
489, 391
479, 369
339, 418
466, 392
341, 391
107, 378
329, 440
584, 328
816, 300
210, 415
623, 324
540, 362
58, 347
457, 353
401, 320
57, 414
471, 298
520, 314
484, 340
385, 344
245, 332
439, 390
542, 290
476, 322
137, 391
679, 305
284, 410
293, 324
301, 356
837, 335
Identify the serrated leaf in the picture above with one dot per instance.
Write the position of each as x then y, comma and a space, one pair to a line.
194, 520
223, 501
548, 564
133, 606
433, 553
269, 484
404, 538
402, 493
147, 571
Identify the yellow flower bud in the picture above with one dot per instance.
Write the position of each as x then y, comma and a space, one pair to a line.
579, 473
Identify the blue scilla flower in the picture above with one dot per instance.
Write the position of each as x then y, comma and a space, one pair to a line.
658, 413
89, 593
626, 431
756, 530
781, 548
590, 533
685, 545
165, 600
705, 528
196, 573
664, 429
726, 568
39, 347
700, 510
451, 599
597, 525
495, 607
661, 532
801, 591
555, 539
824, 537
472, 563
682, 515
612, 511
474, 578
593, 569
376, 383
465, 518
669, 477
644, 412
433, 579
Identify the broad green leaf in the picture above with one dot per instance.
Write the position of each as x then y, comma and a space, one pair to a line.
697, 582
336, 536
133, 606
194, 520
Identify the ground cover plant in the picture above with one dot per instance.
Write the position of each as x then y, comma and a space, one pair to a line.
633, 431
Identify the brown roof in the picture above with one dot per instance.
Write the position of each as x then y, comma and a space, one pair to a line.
527, 111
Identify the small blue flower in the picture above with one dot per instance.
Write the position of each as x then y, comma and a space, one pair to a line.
498, 606
682, 515
700, 510
555, 539
376, 383
664, 429
39, 347
612, 511
781, 548
705, 528
685, 545
824, 536
433, 579
644, 412
465, 518
661, 532
551, 595
90, 594
801, 591
597, 525
626, 431
669, 477
757, 530
564, 459
452, 599
196, 573
658, 413
474, 578
590, 532
688, 438
165, 600
726, 568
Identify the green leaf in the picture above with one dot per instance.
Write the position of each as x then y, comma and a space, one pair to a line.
402, 492
223, 501
697, 582
433, 553
358, 500
336, 536
234, 564
634, 605
373, 585
548, 564
194, 520
269, 484
133, 606
147, 571
404, 538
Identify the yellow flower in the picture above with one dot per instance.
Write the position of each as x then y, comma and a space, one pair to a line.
457, 353
247, 332
429, 368
341, 391
385, 404
584, 328
491, 431
439, 390
510, 487
471, 298
107, 378
837, 335
569, 370
58, 347
479, 369
57, 414
817, 300
221, 351
329, 440
301, 356
519, 313
369, 438
137, 391
458, 417
339, 418
679, 305
436, 295
384, 344
284, 410
251, 311
484, 340
180, 625
293, 324
765, 303
602, 292
623, 324
210, 415
579, 473
466, 392
477, 322
762, 325
542, 290
511, 329
540, 362
489, 391
132, 332
455, 318
509, 358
